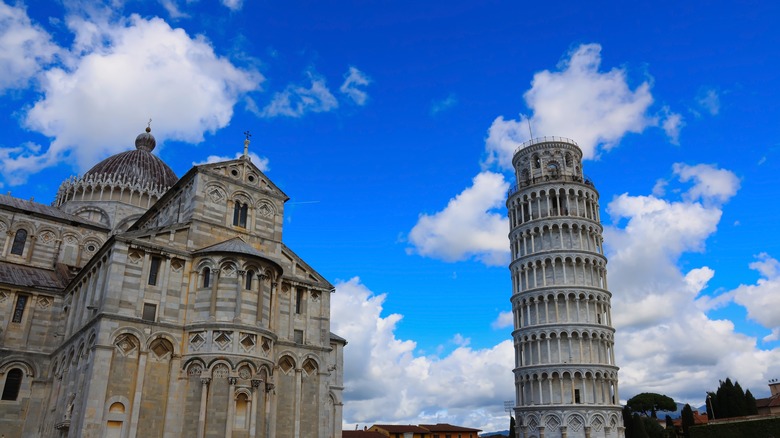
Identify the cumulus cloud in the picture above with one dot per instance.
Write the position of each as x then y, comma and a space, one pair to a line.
578, 101
666, 342
353, 80
386, 381
297, 100
468, 226
25, 48
119, 73
710, 183
672, 123
763, 298
504, 320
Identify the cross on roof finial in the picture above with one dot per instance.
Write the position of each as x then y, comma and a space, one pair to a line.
246, 145
149, 125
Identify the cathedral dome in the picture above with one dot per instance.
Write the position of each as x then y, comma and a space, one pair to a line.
139, 166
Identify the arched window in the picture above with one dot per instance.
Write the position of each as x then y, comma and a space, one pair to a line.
206, 277
13, 382
249, 275
241, 417
568, 160
537, 162
239, 214
19, 240
552, 169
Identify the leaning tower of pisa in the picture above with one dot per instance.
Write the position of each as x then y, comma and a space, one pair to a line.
566, 381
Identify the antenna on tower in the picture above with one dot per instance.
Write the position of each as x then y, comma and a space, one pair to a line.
528, 119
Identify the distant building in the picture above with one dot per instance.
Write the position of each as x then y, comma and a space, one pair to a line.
565, 375
144, 305
444, 430
771, 404
401, 431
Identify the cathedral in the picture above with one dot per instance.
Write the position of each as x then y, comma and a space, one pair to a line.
140, 304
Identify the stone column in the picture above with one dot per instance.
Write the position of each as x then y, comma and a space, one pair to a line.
204, 393
214, 284
139, 386
270, 410
231, 407
253, 411
240, 277
261, 278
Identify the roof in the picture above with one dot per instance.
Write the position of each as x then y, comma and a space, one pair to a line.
38, 209
400, 428
697, 419
335, 337
769, 402
139, 166
445, 427
235, 245
361, 434
28, 276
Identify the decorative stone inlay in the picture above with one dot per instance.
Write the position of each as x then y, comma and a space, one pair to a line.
176, 265
244, 373
575, 424
44, 302
309, 367
597, 424
266, 346
265, 209
247, 341
216, 195
533, 425
197, 340
221, 371
222, 339
195, 370
70, 240
134, 257
126, 344
552, 422
229, 271
3, 296
47, 237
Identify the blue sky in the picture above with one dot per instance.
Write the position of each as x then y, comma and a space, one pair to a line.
389, 124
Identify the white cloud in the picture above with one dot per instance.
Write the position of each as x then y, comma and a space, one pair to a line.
352, 80
504, 320
123, 72
710, 183
762, 300
386, 381
438, 106
578, 101
672, 123
25, 48
296, 100
468, 226
233, 5
709, 101
665, 340
260, 162
172, 7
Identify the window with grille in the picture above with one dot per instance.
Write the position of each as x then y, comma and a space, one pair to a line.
20, 238
21, 303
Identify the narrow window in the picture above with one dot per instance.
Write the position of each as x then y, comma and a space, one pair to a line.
240, 415
239, 214
13, 382
21, 303
298, 336
150, 311
206, 277
19, 240
298, 300
154, 269
249, 274
577, 396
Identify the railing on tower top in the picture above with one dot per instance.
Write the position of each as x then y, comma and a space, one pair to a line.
549, 178
545, 139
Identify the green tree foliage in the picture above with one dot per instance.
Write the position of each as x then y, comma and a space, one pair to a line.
652, 427
639, 427
627, 422
730, 401
649, 403
687, 420
752, 409
512, 427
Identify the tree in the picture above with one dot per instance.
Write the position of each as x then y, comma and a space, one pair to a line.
730, 401
752, 409
639, 427
687, 420
512, 427
648, 403
627, 422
